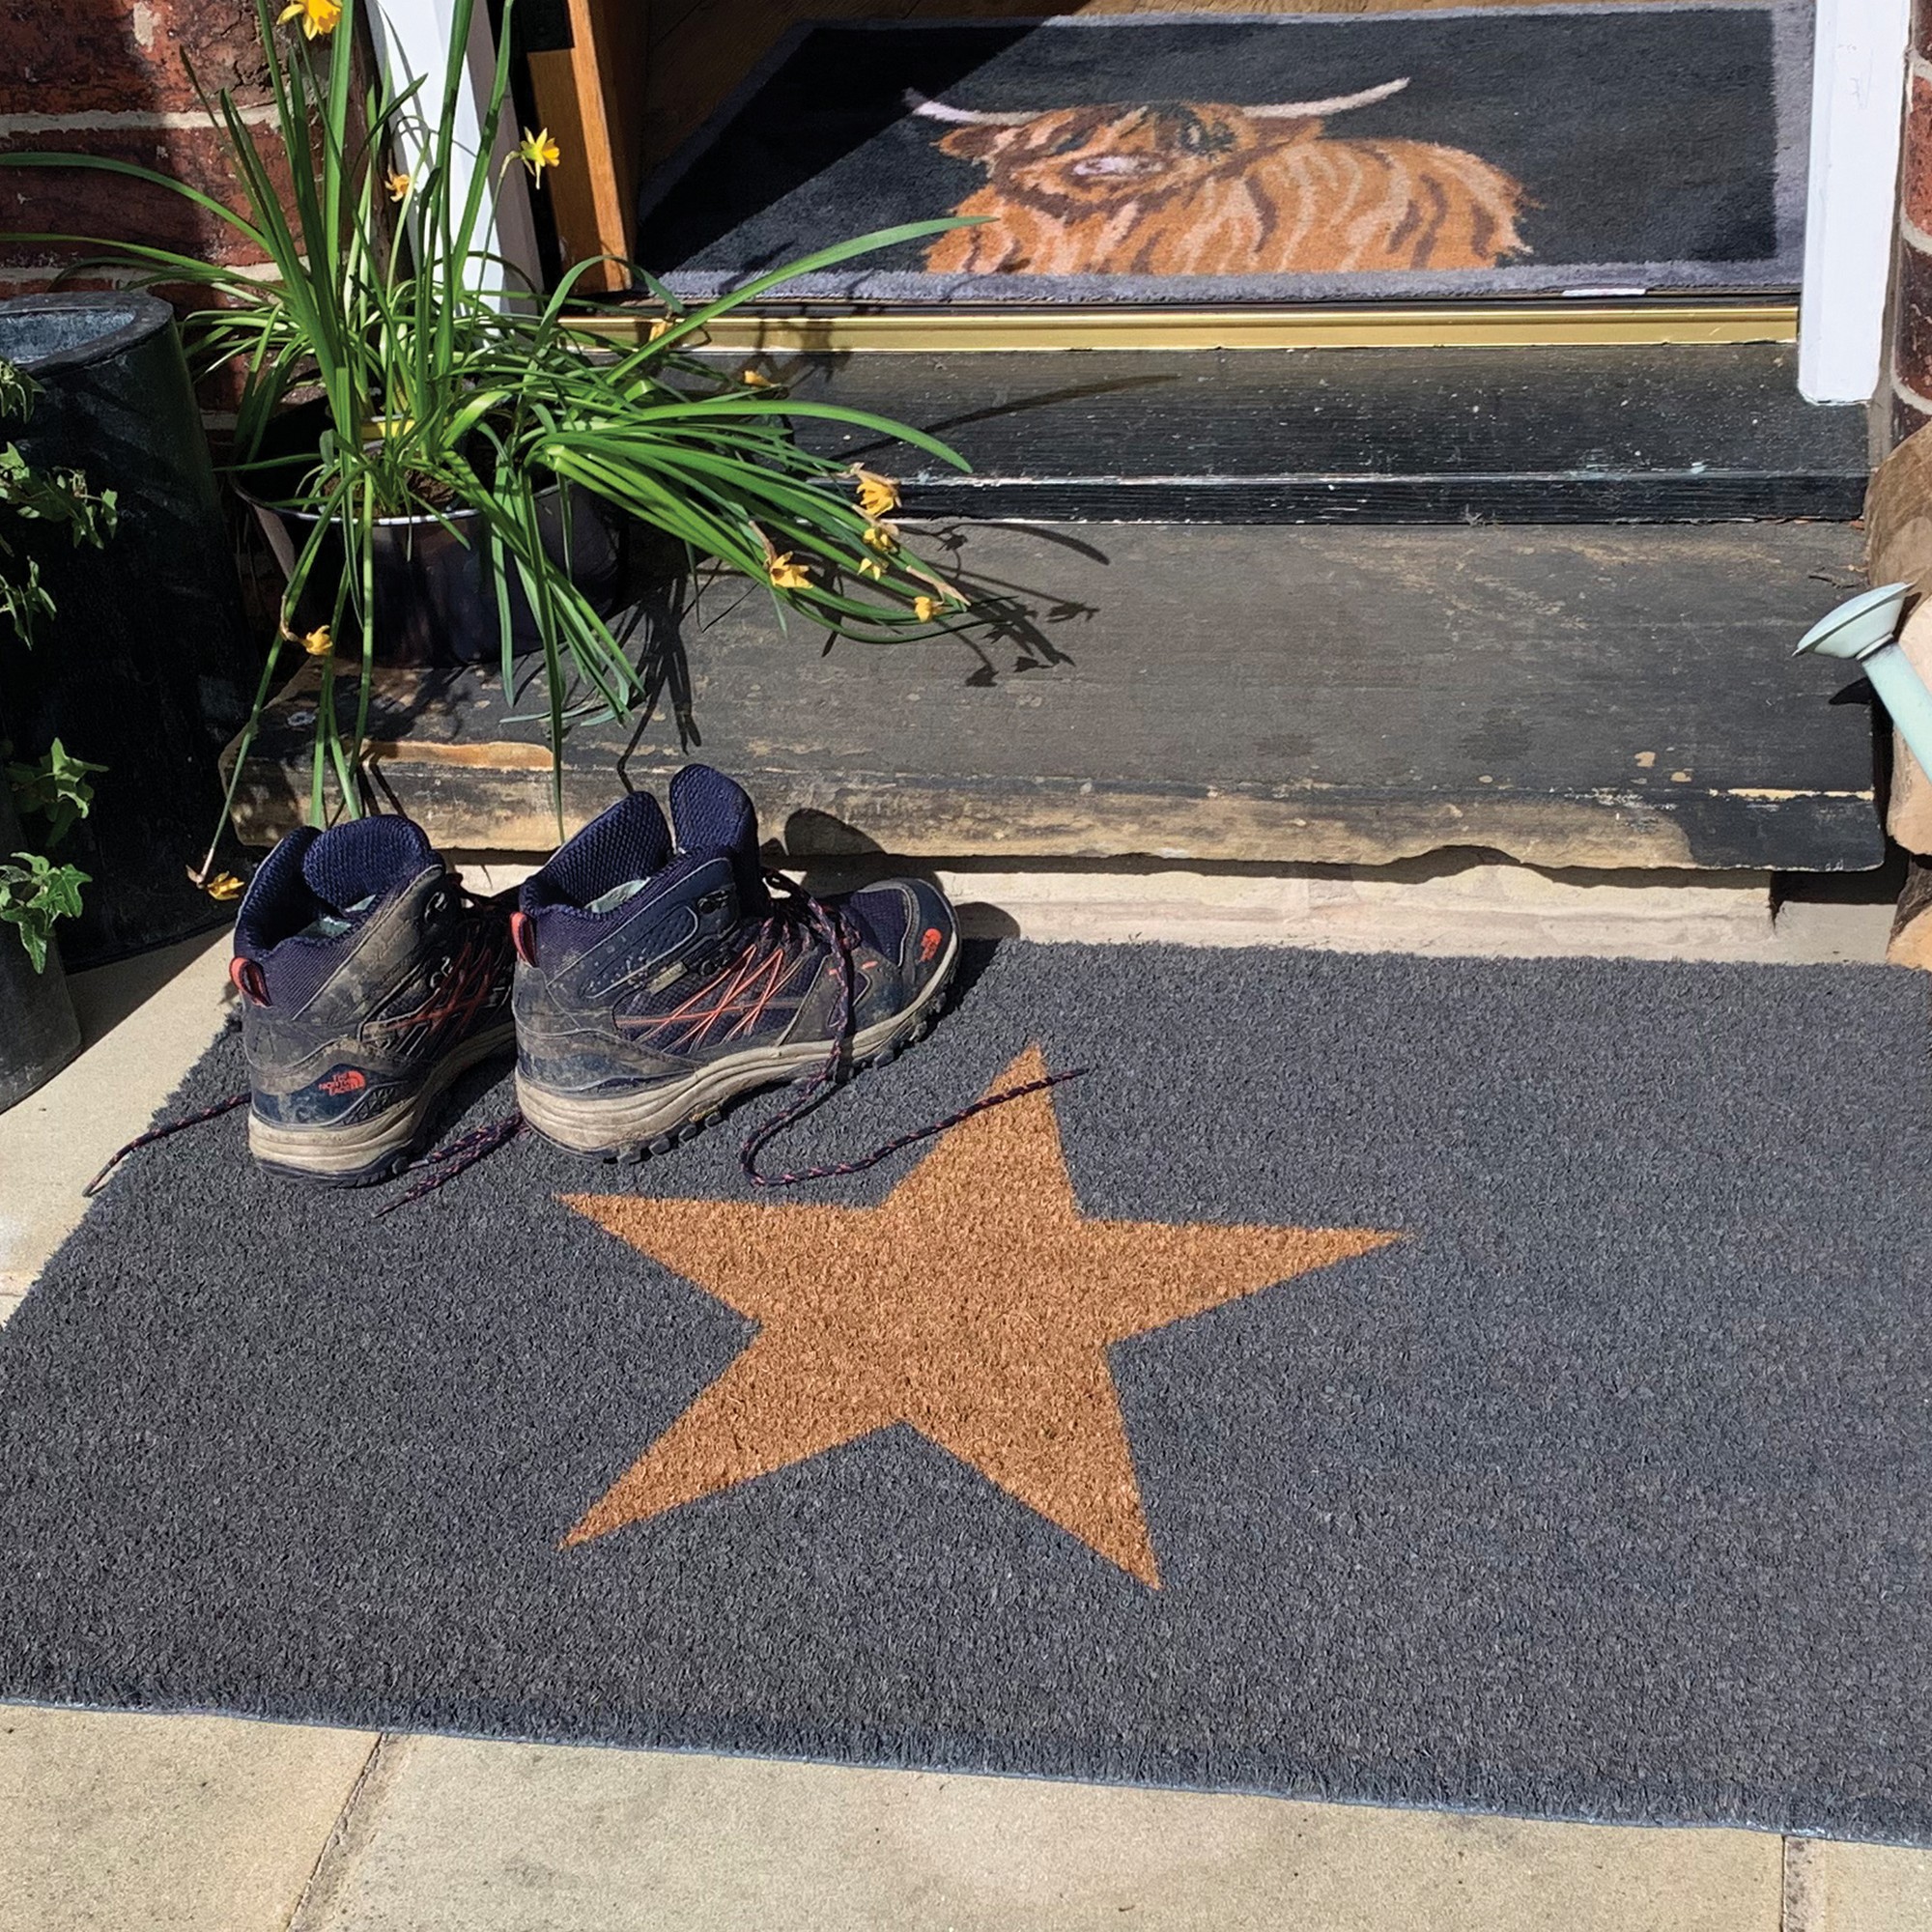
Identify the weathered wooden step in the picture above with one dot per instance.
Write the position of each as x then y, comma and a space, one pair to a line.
1670, 433
1601, 696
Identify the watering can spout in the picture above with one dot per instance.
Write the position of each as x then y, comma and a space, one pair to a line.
1859, 627
1864, 630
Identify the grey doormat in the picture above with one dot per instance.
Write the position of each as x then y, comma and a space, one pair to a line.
1502, 1385
1216, 159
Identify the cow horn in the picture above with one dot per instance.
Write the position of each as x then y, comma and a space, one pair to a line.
968, 117
1308, 110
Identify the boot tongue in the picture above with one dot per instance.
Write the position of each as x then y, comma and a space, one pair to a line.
353, 868
712, 814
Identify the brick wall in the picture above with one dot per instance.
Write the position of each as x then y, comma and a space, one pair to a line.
112, 77
1912, 337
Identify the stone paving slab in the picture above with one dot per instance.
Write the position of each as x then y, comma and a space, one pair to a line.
1447, 904
144, 1823
1834, 1887
457, 1836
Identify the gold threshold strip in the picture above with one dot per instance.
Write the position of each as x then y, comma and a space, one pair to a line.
1526, 324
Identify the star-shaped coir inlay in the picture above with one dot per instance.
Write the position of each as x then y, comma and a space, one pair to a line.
975, 1302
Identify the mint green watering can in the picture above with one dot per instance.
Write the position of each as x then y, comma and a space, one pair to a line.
1864, 628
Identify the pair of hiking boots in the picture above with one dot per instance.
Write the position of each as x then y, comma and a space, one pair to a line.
646, 975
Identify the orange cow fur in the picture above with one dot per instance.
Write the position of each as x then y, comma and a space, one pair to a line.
1195, 188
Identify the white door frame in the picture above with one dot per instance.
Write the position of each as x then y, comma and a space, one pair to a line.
412, 40
1857, 110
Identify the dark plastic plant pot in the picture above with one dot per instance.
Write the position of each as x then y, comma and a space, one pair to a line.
434, 595
39, 1034
145, 669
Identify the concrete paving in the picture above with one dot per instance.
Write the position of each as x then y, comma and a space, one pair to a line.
1447, 904
131, 1823
1830, 1888
609, 1841
137, 1822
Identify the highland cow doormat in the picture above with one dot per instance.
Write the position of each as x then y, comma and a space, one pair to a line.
1482, 1384
1522, 150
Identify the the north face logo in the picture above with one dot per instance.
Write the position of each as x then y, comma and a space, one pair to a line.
348, 1081
930, 942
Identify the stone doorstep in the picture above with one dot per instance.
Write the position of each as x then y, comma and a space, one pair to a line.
1447, 905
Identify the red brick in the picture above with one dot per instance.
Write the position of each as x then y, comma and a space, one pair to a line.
28, 283
128, 57
1921, 29
1915, 173
1911, 346
182, 297
86, 202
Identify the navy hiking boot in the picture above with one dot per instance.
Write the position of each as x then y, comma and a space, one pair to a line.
370, 978
655, 982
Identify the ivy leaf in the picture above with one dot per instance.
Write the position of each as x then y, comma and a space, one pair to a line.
34, 894
57, 789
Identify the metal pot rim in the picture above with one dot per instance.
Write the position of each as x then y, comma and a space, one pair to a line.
455, 515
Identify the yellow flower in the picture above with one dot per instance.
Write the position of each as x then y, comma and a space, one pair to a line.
223, 887
397, 182
876, 494
537, 152
317, 644
756, 378
870, 566
883, 538
787, 574
317, 17
926, 608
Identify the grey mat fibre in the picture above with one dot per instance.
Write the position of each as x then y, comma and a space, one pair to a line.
1604, 1492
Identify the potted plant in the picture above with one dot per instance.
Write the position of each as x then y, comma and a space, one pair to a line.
464, 432
39, 1034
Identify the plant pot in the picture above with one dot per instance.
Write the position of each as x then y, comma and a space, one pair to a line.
146, 667
435, 596
39, 1034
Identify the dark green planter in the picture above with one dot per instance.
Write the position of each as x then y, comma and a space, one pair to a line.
146, 669
39, 1034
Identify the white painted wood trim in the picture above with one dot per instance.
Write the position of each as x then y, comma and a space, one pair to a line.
1857, 107
413, 40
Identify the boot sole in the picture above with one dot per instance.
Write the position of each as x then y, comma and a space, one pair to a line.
656, 1118
364, 1153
